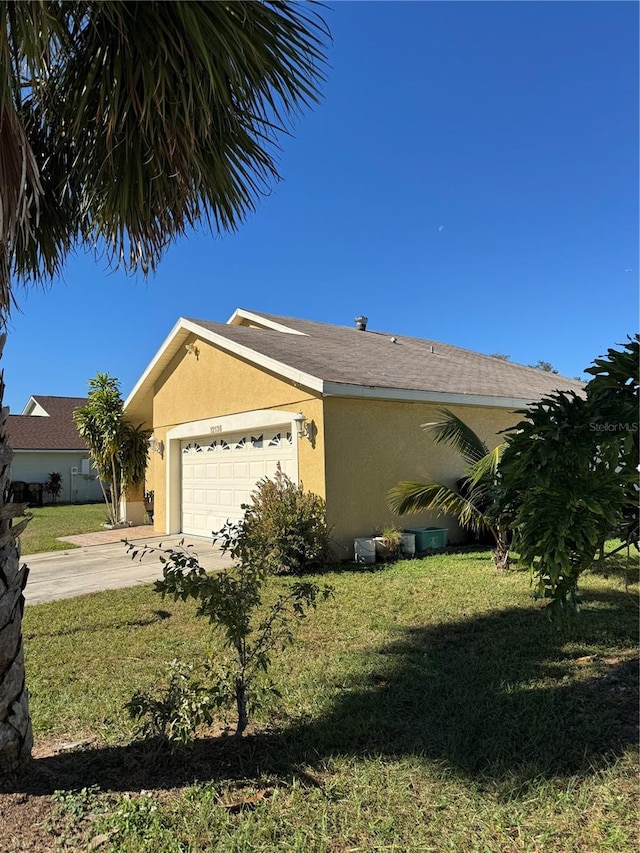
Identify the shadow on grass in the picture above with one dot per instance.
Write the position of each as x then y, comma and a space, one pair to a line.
159, 616
499, 698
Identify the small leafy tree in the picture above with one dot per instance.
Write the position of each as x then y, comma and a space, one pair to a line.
570, 477
232, 602
471, 500
187, 701
53, 486
285, 527
118, 448
545, 366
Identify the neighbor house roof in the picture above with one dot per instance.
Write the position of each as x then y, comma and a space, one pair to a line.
50, 425
344, 361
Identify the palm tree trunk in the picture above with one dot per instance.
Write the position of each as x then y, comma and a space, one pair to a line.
15, 725
501, 553
115, 496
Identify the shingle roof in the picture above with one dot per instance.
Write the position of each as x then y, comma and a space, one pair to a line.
342, 354
56, 432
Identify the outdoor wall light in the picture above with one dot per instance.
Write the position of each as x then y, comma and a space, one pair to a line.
156, 445
300, 420
192, 349
304, 428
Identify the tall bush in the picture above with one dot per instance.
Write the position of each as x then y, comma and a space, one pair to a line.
53, 486
285, 527
570, 477
118, 448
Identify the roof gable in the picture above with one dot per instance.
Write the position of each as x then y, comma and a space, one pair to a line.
341, 360
47, 425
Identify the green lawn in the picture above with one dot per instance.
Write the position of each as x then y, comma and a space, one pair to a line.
49, 522
428, 706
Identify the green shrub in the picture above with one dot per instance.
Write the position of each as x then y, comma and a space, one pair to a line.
174, 711
252, 631
285, 527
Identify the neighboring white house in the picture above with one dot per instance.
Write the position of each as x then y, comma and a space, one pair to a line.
45, 440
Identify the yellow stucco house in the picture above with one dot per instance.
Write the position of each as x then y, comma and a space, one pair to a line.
340, 408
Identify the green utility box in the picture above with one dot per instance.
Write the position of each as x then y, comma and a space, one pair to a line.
429, 538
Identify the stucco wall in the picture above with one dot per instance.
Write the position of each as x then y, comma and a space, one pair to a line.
372, 444
35, 467
215, 384
375, 444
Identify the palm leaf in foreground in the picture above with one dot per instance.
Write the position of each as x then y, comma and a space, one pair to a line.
122, 126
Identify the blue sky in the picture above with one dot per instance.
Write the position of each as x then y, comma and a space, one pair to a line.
471, 176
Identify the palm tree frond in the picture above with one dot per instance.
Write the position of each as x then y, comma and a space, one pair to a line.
134, 454
486, 468
458, 435
407, 497
126, 124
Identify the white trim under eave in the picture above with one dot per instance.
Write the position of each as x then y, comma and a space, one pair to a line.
313, 383
164, 346
298, 377
189, 327
263, 322
340, 389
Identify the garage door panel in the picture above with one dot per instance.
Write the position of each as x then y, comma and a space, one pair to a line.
240, 470
256, 470
219, 476
225, 499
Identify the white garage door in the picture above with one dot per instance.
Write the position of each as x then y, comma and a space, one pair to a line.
219, 475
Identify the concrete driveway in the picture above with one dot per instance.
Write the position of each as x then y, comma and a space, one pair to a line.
106, 563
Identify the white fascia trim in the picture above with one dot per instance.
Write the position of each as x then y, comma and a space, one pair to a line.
306, 380
34, 409
150, 367
242, 314
339, 389
256, 419
187, 326
277, 367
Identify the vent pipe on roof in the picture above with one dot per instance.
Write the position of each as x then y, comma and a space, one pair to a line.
361, 323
